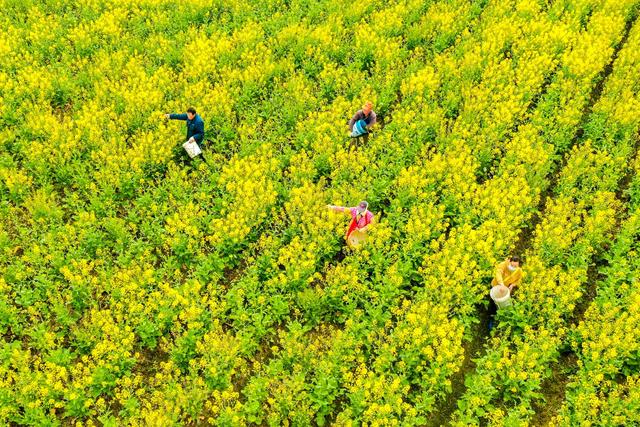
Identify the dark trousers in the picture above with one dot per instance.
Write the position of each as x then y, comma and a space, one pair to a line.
493, 308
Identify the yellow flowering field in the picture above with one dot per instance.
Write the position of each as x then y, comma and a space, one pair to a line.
138, 287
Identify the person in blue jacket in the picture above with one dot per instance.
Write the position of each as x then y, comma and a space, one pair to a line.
195, 124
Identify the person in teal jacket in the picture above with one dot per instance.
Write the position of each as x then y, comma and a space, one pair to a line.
195, 125
195, 132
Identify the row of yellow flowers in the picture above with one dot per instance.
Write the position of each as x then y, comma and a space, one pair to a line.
606, 341
578, 221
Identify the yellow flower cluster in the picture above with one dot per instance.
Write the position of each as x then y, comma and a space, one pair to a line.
607, 339
252, 191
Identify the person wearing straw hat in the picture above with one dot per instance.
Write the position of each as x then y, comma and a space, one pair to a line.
195, 126
508, 274
361, 123
361, 217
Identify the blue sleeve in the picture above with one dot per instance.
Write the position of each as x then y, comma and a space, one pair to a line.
178, 116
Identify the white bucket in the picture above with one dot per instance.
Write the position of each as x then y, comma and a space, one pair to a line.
192, 149
501, 295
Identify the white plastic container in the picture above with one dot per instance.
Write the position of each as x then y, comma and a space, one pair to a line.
501, 295
192, 149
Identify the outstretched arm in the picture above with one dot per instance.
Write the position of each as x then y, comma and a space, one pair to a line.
338, 208
176, 116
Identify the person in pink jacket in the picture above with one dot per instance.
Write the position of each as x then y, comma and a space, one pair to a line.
361, 217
